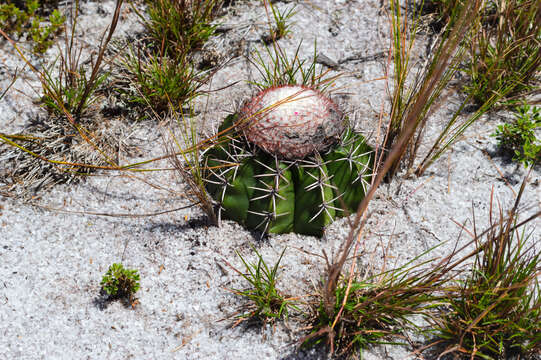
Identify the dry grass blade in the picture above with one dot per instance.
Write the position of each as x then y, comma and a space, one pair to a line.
415, 102
9, 86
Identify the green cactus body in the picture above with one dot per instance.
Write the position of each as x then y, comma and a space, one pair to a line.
314, 208
273, 194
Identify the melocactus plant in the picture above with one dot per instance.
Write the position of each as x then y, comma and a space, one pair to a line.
287, 161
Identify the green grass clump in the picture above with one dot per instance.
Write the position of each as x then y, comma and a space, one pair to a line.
120, 283
162, 81
162, 68
365, 319
180, 26
283, 69
265, 302
505, 51
503, 48
496, 311
519, 137
22, 18
66, 91
378, 309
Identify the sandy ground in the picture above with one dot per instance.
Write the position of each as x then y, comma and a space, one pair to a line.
53, 252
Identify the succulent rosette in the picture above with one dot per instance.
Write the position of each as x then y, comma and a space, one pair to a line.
287, 161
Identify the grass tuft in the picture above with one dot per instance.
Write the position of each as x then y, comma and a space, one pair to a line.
505, 50
496, 311
285, 70
378, 309
67, 91
162, 67
162, 81
180, 26
281, 26
65, 84
265, 302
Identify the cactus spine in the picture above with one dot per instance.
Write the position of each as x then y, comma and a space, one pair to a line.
285, 164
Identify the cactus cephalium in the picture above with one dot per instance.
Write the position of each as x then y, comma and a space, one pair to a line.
288, 162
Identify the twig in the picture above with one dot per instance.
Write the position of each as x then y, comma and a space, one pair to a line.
113, 215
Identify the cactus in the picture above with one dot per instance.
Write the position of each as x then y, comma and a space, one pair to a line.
287, 162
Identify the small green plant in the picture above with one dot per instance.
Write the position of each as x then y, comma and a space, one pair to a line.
267, 303
281, 26
119, 282
42, 35
519, 137
496, 311
23, 18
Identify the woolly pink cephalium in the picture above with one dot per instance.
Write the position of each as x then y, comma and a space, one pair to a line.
292, 121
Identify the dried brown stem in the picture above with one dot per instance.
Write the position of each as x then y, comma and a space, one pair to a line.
399, 148
96, 67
